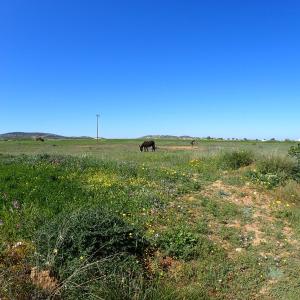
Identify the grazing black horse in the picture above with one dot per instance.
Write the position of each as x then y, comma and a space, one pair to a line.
40, 139
146, 145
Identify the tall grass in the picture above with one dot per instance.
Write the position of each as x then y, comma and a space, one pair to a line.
273, 171
236, 159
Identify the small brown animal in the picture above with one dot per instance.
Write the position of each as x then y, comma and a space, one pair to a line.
146, 145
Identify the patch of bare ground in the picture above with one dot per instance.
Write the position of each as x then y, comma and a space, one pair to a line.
262, 219
175, 148
247, 197
240, 195
158, 262
223, 243
264, 291
261, 225
289, 234
261, 204
43, 279
252, 228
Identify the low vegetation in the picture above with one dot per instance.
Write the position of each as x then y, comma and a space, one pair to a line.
190, 223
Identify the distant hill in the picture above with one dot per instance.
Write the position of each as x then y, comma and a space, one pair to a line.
32, 135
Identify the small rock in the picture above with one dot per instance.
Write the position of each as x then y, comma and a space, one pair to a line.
238, 249
16, 245
16, 204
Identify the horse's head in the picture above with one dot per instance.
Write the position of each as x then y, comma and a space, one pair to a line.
141, 148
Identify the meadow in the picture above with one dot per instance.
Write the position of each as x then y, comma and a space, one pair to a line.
81, 219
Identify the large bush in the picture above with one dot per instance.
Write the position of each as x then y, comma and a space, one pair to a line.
236, 159
294, 152
275, 165
273, 171
92, 245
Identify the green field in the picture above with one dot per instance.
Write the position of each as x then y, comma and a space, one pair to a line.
82, 219
126, 149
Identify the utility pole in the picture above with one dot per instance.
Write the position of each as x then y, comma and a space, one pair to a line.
97, 126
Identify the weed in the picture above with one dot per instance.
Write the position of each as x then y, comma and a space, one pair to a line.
179, 242
294, 152
272, 171
223, 211
275, 165
268, 180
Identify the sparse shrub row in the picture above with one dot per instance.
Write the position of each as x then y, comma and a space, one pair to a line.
269, 171
224, 161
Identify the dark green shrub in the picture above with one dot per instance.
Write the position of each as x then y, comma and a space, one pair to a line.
294, 152
237, 159
268, 180
90, 244
276, 165
272, 171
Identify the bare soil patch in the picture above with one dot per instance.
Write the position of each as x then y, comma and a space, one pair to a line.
261, 204
174, 148
240, 195
43, 279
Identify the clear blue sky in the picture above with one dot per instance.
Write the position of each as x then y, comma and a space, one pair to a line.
218, 68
